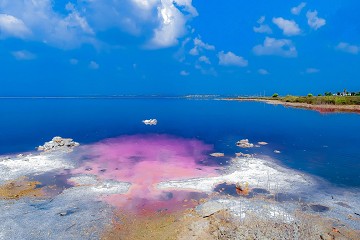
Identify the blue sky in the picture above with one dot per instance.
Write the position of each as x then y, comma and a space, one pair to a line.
175, 47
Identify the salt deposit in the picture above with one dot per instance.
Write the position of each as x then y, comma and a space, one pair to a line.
256, 172
12, 168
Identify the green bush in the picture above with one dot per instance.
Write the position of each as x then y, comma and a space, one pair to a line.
309, 95
275, 95
340, 101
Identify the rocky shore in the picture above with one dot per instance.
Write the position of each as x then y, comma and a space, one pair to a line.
58, 143
251, 198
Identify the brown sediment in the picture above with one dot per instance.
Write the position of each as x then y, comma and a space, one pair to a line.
188, 224
155, 226
322, 108
20, 188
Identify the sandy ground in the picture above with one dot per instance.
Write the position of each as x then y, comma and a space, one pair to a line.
189, 225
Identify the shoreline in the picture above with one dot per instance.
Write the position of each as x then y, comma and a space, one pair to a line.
270, 194
322, 108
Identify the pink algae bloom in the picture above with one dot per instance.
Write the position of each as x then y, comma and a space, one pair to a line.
144, 161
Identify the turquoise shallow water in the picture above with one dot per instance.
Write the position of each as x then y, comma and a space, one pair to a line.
325, 145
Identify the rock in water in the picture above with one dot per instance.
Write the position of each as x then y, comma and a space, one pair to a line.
150, 122
244, 143
58, 143
217, 154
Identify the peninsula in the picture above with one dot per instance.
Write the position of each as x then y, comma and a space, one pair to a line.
327, 103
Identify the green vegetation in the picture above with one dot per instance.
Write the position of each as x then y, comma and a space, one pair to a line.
328, 98
318, 100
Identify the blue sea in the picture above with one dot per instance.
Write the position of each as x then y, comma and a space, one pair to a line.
324, 145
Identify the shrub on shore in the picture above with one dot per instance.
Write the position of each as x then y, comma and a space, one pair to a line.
318, 100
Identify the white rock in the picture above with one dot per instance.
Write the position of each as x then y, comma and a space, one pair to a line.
150, 121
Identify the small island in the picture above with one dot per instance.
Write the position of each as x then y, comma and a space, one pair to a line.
325, 103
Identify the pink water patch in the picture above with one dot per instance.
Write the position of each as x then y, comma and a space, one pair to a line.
144, 161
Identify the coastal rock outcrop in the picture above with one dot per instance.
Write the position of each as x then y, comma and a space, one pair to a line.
150, 122
58, 143
244, 143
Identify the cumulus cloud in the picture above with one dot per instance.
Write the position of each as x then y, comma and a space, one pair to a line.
297, 10
289, 27
160, 23
172, 22
314, 21
11, 26
278, 47
62, 30
204, 59
263, 71
94, 65
230, 59
312, 70
262, 28
200, 46
23, 55
347, 47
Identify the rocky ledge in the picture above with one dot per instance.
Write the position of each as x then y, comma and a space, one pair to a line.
58, 143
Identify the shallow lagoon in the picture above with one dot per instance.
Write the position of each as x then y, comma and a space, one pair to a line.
324, 145
125, 167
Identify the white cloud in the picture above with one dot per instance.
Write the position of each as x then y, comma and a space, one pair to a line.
62, 30
11, 26
314, 21
161, 22
263, 71
262, 28
94, 65
184, 73
204, 59
172, 22
23, 55
230, 59
289, 27
346, 47
312, 70
297, 10
73, 61
200, 46
278, 47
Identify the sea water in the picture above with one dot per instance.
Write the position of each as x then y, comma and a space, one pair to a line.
323, 145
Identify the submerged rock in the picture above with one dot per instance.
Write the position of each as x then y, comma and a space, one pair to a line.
58, 143
217, 154
246, 155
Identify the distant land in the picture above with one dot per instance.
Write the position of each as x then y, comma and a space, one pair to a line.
327, 103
